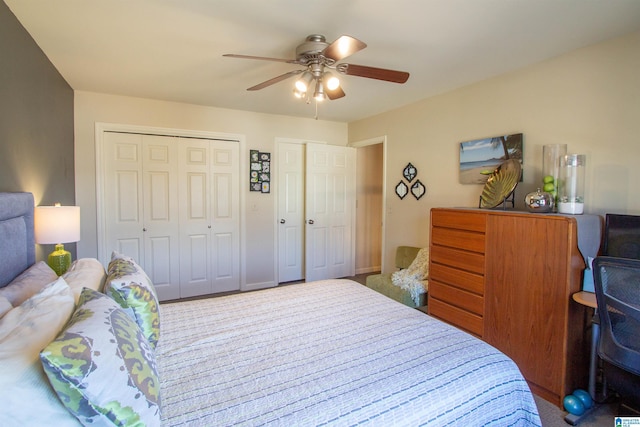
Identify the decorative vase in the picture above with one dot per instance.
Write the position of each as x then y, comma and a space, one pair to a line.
551, 155
571, 188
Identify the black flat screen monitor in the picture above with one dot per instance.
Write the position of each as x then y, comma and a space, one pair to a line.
622, 236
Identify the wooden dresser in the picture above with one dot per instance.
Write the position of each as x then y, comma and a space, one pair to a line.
507, 277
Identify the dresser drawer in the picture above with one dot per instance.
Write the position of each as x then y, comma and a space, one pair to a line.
460, 259
460, 219
457, 317
456, 297
460, 239
471, 282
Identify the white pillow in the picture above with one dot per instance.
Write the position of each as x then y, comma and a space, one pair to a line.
85, 273
28, 398
28, 283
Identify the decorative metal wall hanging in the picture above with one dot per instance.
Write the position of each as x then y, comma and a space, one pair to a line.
260, 171
401, 189
417, 188
409, 172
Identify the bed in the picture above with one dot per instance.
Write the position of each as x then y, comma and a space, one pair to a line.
323, 353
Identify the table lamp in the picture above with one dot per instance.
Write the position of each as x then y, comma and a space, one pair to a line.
57, 225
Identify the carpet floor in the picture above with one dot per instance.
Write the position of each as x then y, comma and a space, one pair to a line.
552, 416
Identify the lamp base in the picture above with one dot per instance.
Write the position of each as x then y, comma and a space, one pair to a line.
59, 260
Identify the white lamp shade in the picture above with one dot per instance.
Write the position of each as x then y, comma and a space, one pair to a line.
57, 224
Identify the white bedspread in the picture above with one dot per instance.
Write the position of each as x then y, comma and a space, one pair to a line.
329, 353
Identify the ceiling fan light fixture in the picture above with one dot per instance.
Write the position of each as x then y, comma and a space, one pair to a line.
332, 82
297, 93
315, 57
302, 84
319, 94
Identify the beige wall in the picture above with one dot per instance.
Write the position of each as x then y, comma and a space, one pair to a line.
588, 99
259, 132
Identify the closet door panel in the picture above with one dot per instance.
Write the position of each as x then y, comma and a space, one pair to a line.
209, 219
340, 230
132, 247
172, 203
290, 185
195, 272
195, 218
127, 197
222, 204
122, 203
330, 211
225, 255
158, 266
223, 247
318, 220
161, 219
197, 196
338, 238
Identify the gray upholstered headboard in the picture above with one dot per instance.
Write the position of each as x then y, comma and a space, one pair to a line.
17, 243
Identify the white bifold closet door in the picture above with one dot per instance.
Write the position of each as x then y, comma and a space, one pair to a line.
316, 211
172, 204
330, 212
209, 217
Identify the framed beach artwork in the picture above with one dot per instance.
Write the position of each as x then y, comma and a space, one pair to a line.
480, 157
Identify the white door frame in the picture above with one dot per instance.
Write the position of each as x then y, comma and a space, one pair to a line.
101, 127
372, 141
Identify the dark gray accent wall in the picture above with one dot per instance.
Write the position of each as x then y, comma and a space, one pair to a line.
36, 119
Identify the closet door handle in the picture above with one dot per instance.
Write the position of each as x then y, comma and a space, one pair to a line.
282, 221
310, 222
144, 229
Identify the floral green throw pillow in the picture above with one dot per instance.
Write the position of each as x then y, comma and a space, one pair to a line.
102, 367
130, 287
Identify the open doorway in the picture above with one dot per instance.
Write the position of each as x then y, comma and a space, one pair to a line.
369, 206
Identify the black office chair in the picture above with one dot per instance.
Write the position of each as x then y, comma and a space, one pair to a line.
617, 286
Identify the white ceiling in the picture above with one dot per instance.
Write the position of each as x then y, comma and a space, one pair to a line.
172, 49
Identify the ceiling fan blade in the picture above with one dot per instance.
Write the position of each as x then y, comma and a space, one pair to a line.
335, 94
261, 58
344, 46
275, 80
374, 73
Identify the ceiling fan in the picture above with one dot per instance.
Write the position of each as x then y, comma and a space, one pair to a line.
319, 58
